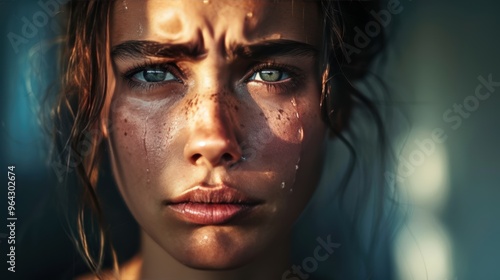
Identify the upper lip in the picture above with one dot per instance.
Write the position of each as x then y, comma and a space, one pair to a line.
219, 194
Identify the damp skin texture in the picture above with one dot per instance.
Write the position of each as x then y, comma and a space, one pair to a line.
215, 112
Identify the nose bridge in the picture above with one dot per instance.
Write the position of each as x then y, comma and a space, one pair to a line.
212, 114
212, 93
213, 136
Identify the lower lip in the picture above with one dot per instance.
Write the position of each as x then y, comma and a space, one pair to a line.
209, 214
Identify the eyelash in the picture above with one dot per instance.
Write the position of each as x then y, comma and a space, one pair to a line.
280, 86
133, 84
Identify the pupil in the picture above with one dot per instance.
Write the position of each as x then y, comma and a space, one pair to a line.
154, 75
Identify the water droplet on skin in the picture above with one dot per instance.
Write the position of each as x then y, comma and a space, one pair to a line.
206, 1
249, 14
282, 185
300, 137
140, 30
144, 137
125, 4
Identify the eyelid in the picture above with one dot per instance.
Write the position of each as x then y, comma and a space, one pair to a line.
292, 71
134, 84
169, 67
259, 73
295, 80
145, 87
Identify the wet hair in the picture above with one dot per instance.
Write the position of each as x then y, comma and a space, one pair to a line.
78, 112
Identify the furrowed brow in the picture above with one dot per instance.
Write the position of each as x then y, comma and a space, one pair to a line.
140, 49
273, 48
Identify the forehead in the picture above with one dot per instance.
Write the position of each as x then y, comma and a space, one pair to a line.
217, 21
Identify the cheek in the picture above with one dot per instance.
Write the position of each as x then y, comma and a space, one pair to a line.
295, 149
162, 138
141, 141
274, 134
271, 146
127, 156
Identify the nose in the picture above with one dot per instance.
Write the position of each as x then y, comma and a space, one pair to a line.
212, 141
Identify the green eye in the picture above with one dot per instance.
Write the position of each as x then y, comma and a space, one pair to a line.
270, 75
154, 76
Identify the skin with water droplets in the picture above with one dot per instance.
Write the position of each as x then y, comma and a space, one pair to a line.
293, 101
215, 104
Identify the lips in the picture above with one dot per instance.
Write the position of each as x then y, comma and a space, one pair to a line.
212, 205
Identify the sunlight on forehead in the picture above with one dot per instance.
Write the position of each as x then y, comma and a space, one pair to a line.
215, 22
170, 23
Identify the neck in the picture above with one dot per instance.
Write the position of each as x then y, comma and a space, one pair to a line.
155, 263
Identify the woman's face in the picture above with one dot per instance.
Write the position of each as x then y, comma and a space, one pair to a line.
216, 136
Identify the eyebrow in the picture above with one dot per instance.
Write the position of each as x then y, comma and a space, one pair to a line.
258, 51
273, 48
137, 49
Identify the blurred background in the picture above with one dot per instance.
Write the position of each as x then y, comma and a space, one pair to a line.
443, 68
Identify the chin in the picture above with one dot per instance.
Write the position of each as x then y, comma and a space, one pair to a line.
216, 247
226, 262
216, 254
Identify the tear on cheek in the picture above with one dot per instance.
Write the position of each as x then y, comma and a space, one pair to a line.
283, 135
285, 124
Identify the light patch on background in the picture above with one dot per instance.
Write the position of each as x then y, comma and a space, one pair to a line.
423, 250
428, 186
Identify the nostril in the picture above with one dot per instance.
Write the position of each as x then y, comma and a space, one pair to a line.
227, 157
195, 157
212, 152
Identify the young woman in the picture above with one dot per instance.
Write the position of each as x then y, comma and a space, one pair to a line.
215, 116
